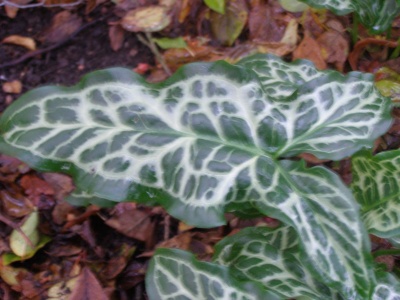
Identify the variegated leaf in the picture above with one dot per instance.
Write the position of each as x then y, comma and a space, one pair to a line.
376, 15
326, 116
387, 288
376, 186
339, 7
175, 274
209, 140
271, 257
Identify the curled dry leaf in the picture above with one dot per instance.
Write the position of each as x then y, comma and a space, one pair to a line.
146, 19
116, 35
63, 25
23, 41
12, 87
87, 287
132, 222
335, 48
310, 49
35, 187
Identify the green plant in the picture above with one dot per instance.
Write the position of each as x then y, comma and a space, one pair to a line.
376, 15
218, 138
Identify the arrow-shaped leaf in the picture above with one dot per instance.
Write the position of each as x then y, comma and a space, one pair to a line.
272, 258
210, 140
376, 187
175, 274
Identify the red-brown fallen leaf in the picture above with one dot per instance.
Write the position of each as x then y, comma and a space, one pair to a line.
15, 204
180, 241
335, 48
130, 221
116, 35
87, 287
61, 184
118, 263
360, 45
263, 24
63, 25
310, 49
132, 275
11, 168
35, 188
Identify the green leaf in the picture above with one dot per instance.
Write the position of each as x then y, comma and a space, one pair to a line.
376, 187
216, 5
293, 5
176, 274
273, 258
168, 43
214, 138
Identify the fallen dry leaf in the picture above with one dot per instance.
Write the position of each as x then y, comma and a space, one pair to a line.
152, 18
87, 287
12, 87
263, 26
130, 221
15, 204
35, 188
61, 184
227, 27
116, 35
26, 42
335, 48
310, 49
63, 25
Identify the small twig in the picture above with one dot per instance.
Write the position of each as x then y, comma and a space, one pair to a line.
31, 54
167, 224
39, 4
149, 42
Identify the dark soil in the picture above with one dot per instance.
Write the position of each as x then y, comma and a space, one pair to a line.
89, 49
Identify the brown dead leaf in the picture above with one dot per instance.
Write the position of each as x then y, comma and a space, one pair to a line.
130, 221
15, 204
12, 87
227, 27
63, 25
180, 241
11, 10
116, 35
263, 25
334, 47
11, 168
87, 287
61, 184
23, 41
310, 49
35, 188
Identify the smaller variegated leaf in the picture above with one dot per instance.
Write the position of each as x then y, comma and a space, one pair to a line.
387, 287
176, 275
376, 15
271, 257
339, 7
376, 186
